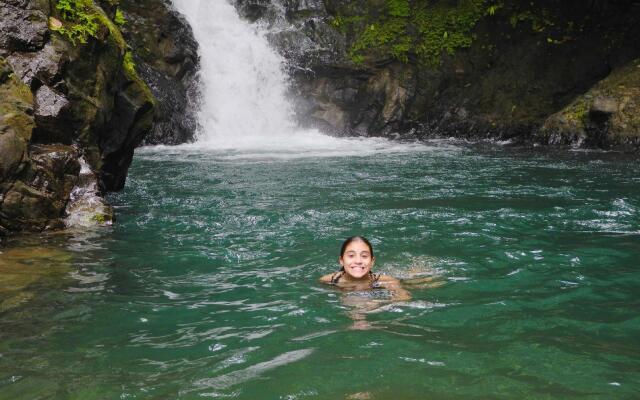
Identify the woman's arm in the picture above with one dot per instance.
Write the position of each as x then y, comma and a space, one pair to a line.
392, 284
326, 278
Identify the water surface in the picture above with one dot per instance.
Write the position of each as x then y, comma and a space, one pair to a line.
206, 287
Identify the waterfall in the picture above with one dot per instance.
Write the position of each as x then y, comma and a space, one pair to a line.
244, 99
243, 104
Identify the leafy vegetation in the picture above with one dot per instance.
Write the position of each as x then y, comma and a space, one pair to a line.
445, 29
404, 28
119, 18
425, 30
81, 20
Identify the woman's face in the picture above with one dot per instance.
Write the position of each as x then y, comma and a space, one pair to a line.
357, 260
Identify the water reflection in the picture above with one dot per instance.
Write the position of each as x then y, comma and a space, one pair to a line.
50, 261
21, 268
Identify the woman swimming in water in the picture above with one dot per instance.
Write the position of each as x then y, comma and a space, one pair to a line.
356, 261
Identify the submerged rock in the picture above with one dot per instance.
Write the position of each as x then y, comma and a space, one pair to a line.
22, 267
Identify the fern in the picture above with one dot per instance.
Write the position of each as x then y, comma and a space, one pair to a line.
81, 20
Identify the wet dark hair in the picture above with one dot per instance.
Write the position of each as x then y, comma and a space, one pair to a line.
356, 239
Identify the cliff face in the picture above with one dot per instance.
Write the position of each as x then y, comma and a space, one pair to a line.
70, 97
470, 68
166, 56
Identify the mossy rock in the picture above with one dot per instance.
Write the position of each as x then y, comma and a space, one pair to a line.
606, 115
16, 107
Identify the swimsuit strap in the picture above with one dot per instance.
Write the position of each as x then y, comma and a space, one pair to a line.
374, 280
336, 276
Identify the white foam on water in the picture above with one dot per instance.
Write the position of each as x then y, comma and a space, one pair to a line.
244, 110
322, 147
254, 371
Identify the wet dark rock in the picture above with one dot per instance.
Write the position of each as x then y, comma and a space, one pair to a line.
49, 109
607, 115
253, 9
167, 59
37, 200
603, 107
506, 85
23, 26
55, 170
87, 207
44, 65
131, 120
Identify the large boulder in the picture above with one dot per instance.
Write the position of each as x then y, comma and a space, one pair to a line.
64, 99
39, 66
607, 115
23, 25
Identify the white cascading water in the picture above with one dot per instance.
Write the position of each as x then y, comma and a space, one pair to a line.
244, 104
243, 93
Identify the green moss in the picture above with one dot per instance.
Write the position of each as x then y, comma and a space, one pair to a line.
17, 103
342, 22
398, 8
129, 67
82, 20
119, 18
539, 21
426, 30
128, 64
100, 218
444, 29
389, 35
577, 112
114, 32
403, 28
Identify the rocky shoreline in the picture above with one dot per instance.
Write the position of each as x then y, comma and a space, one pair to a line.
82, 85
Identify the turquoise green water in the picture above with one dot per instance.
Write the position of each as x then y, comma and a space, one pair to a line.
206, 286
